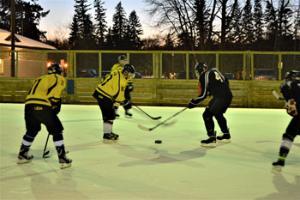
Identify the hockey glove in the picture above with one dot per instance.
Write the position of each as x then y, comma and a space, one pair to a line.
192, 104
127, 105
291, 108
55, 105
129, 87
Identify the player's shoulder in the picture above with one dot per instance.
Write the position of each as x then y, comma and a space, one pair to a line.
116, 67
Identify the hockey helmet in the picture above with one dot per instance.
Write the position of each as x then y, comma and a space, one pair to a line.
122, 59
129, 69
292, 75
200, 68
54, 69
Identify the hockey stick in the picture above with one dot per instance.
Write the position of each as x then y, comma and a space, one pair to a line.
154, 118
277, 96
161, 123
45, 151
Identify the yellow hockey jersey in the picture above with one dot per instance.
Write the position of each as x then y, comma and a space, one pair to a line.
45, 89
113, 86
116, 66
119, 67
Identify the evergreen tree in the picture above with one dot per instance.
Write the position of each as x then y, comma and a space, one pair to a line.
119, 28
100, 26
109, 39
258, 20
28, 15
28, 23
235, 35
4, 14
74, 34
201, 21
247, 23
82, 21
271, 21
134, 30
284, 15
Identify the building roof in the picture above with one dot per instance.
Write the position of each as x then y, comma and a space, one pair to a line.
21, 41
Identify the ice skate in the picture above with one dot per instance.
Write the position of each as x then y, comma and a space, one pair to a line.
23, 156
64, 162
225, 138
62, 159
110, 138
128, 114
210, 142
277, 166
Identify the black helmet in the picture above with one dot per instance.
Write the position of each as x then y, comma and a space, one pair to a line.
199, 68
128, 68
54, 69
292, 75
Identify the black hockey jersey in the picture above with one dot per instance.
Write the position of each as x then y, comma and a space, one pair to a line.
213, 83
291, 90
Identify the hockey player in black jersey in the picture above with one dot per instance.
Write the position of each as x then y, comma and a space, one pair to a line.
42, 105
290, 90
213, 83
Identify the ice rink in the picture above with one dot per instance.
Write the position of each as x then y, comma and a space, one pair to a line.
137, 168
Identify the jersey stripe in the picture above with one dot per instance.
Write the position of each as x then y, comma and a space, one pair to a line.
53, 86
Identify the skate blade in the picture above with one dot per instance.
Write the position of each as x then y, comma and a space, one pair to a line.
23, 161
209, 145
65, 165
224, 140
105, 141
277, 169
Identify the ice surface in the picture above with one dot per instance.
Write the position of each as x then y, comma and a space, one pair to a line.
137, 168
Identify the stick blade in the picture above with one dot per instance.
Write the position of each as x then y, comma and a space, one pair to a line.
144, 128
46, 154
156, 118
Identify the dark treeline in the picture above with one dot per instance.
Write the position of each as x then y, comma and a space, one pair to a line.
190, 25
28, 15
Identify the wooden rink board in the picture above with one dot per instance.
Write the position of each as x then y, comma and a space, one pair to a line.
248, 94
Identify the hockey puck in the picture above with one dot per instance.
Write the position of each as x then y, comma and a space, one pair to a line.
158, 141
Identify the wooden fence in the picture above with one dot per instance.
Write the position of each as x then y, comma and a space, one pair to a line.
248, 94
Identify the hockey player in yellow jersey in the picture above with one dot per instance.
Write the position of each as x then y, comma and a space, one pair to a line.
111, 90
42, 104
122, 60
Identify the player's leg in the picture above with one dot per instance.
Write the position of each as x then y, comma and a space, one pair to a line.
128, 105
33, 126
292, 130
116, 108
108, 116
209, 125
55, 128
219, 115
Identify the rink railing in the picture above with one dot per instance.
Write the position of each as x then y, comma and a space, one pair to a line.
151, 92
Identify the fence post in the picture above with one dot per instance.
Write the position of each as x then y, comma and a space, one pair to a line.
280, 66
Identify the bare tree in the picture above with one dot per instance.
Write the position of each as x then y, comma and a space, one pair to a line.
178, 15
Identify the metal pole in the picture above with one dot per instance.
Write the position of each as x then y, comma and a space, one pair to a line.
13, 30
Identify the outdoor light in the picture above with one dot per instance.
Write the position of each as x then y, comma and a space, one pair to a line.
49, 64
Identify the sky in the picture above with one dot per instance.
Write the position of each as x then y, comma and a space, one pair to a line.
58, 21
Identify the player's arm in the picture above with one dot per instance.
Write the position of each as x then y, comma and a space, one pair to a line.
203, 90
56, 93
286, 91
